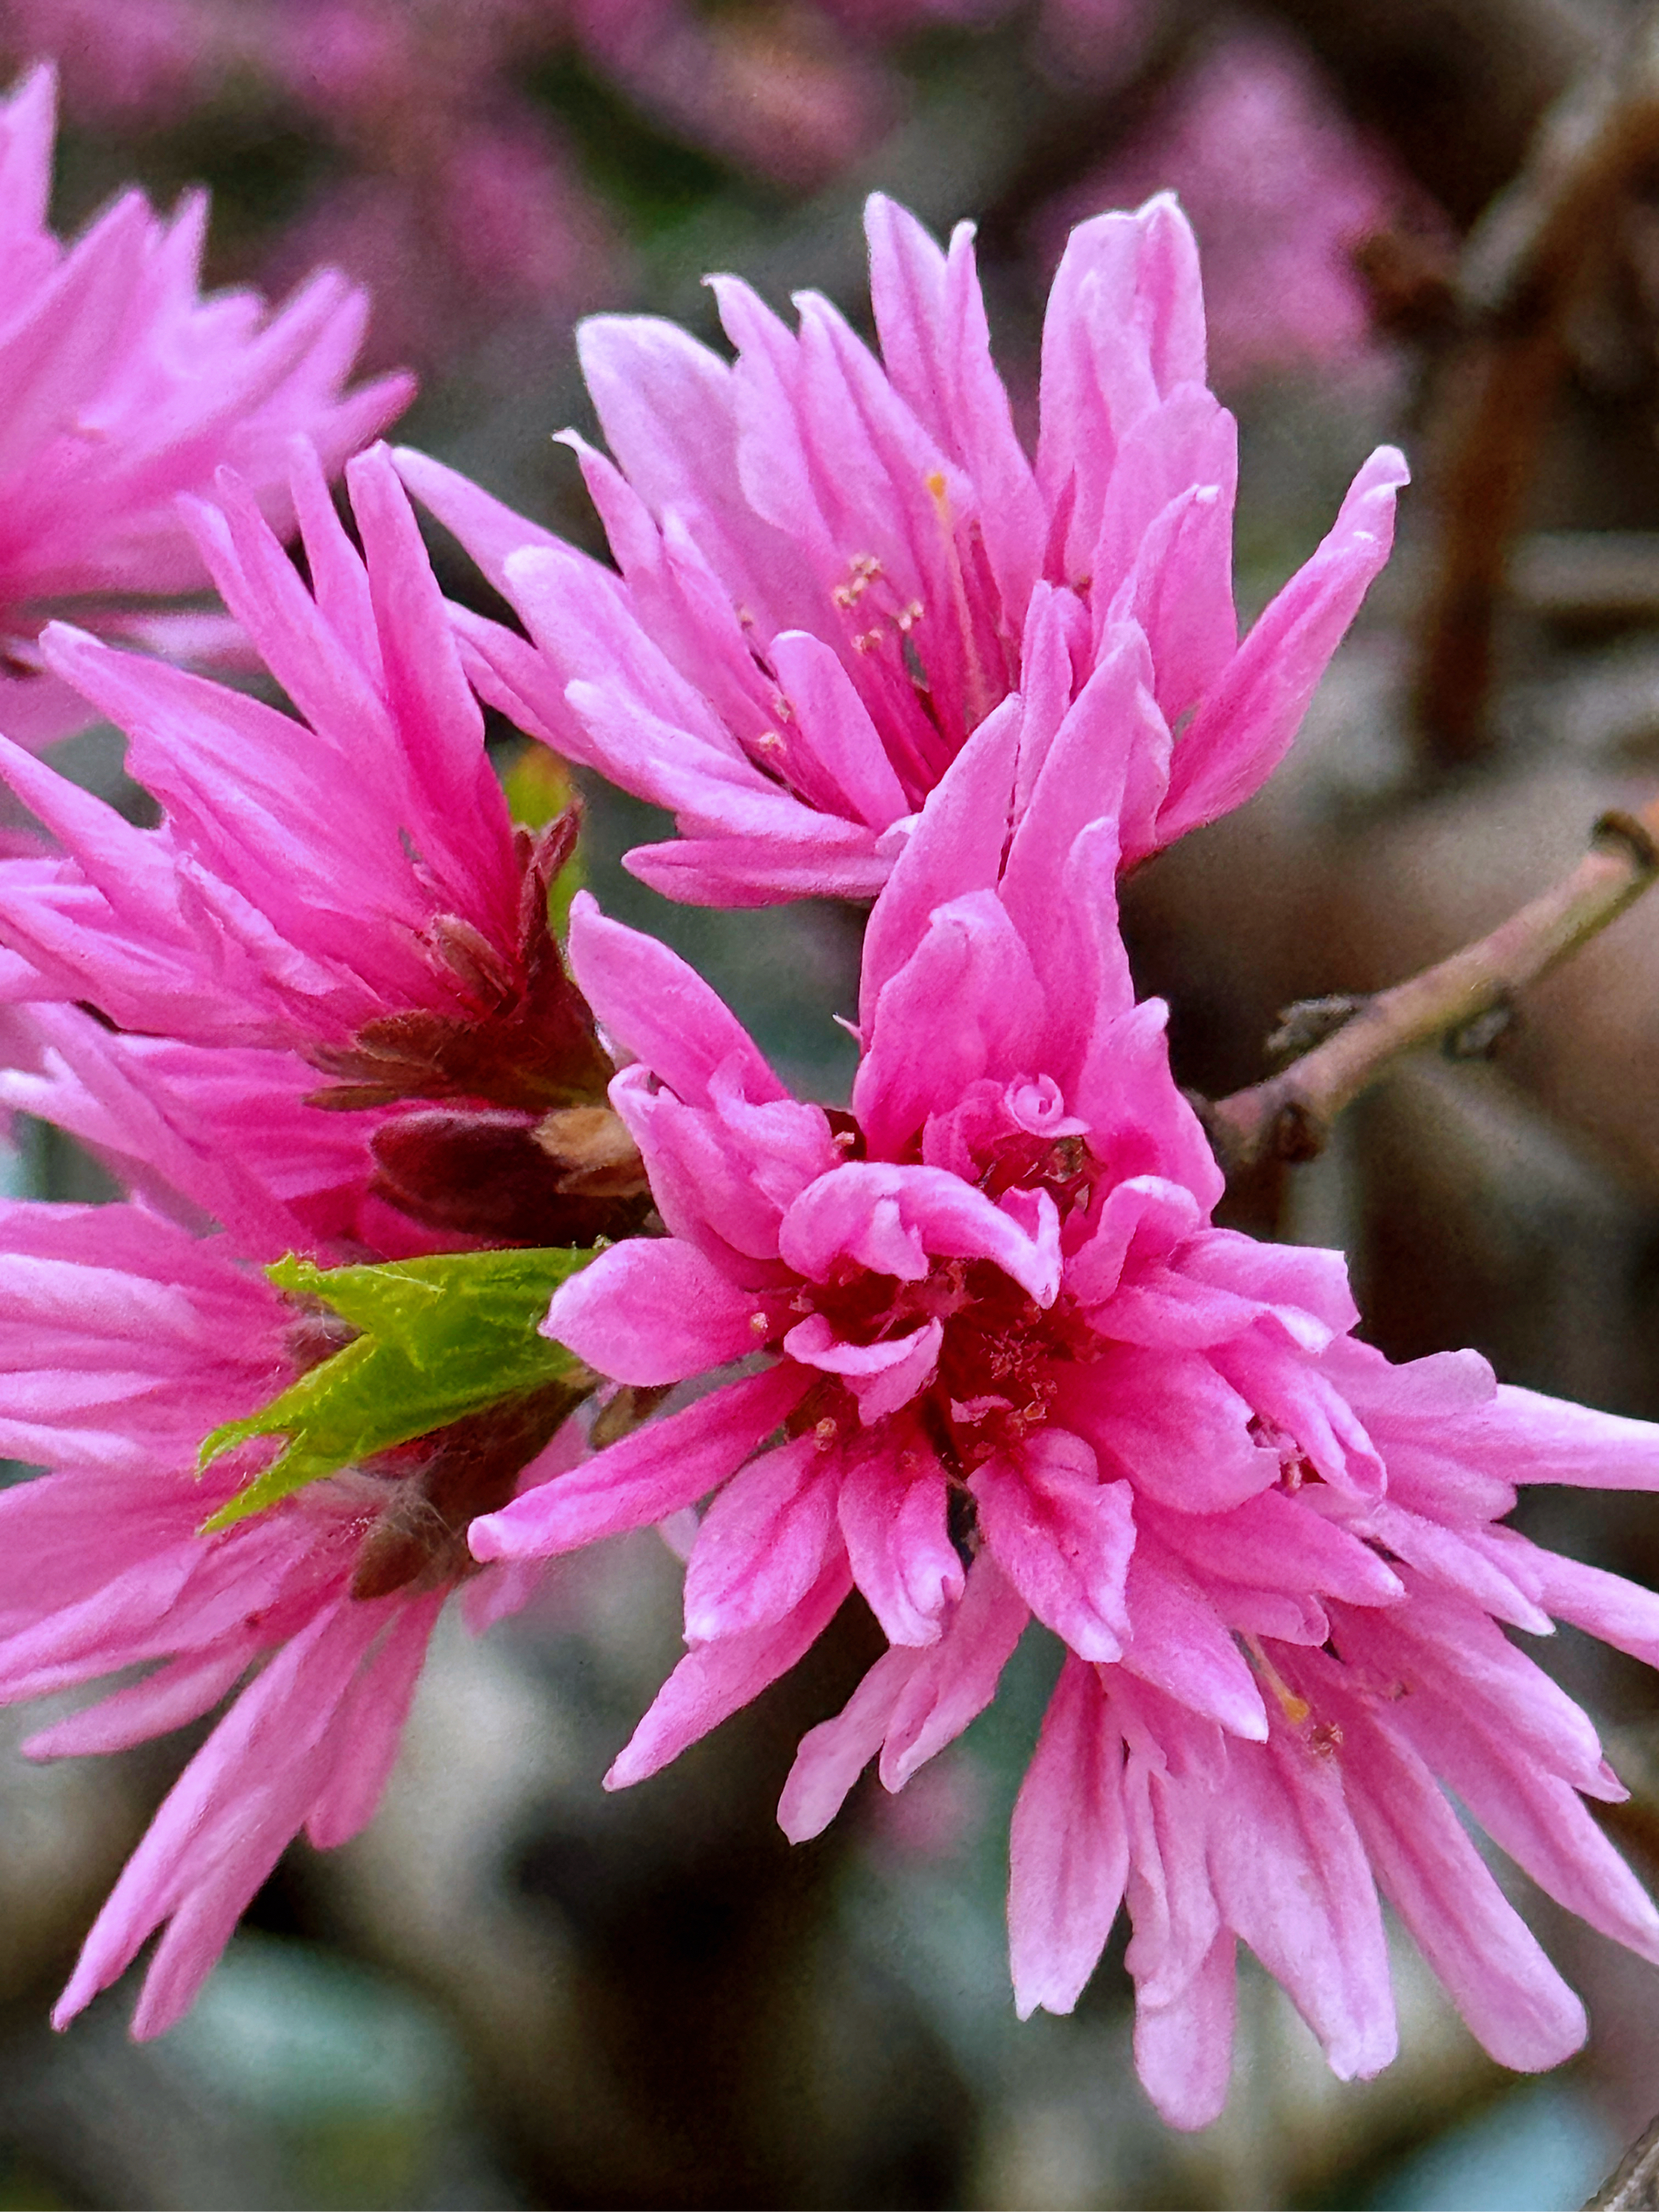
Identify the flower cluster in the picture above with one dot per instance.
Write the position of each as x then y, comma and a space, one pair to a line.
315, 1007
974, 1345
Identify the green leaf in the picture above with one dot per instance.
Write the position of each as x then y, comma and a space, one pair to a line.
441, 1338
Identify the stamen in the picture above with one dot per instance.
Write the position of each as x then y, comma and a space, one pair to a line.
1296, 1710
979, 700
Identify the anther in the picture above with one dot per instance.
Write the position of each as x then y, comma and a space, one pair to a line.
1296, 1710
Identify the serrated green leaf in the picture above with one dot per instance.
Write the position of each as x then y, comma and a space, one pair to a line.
441, 1337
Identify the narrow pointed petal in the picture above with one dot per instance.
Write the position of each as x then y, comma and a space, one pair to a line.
1068, 1853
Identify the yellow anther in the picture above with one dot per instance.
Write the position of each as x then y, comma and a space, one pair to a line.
1296, 1710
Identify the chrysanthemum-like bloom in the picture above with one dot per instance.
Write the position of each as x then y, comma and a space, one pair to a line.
342, 896
998, 1363
124, 1341
125, 386
348, 887
834, 569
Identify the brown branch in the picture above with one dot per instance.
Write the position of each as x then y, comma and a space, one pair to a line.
1634, 2186
1540, 247
1288, 1116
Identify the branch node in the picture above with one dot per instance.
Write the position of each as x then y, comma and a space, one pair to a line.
1297, 1135
1630, 835
1309, 1022
1478, 1038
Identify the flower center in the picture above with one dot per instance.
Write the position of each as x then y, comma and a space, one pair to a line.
995, 1379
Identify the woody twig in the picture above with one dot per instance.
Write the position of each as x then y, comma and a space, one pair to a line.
1541, 248
1462, 999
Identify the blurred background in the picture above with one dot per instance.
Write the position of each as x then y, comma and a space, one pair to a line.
1436, 220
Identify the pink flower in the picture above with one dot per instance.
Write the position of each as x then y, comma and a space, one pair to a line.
348, 887
126, 387
833, 569
342, 896
1016, 1371
124, 1342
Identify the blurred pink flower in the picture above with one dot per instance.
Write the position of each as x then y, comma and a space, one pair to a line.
1095, 42
1279, 187
775, 91
833, 570
1018, 1371
126, 387
493, 225
124, 1342
142, 62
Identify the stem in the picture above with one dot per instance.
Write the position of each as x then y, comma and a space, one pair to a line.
1635, 2186
1540, 248
1288, 1116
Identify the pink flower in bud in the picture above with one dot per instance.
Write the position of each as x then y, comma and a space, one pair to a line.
126, 387
124, 1342
998, 1361
834, 568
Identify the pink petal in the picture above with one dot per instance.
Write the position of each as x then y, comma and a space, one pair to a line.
712, 1682
1173, 1423
653, 1309
661, 1009
1499, 1978
892, 1509
1293, 1882
957, 847
883, 1376
958, 1676
1177, 1644
1184, 2048
762, 1543
966, 1004
1063, 1537
891, 1220
912, 1703
1068, 1850
1244, 727
668, 1464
